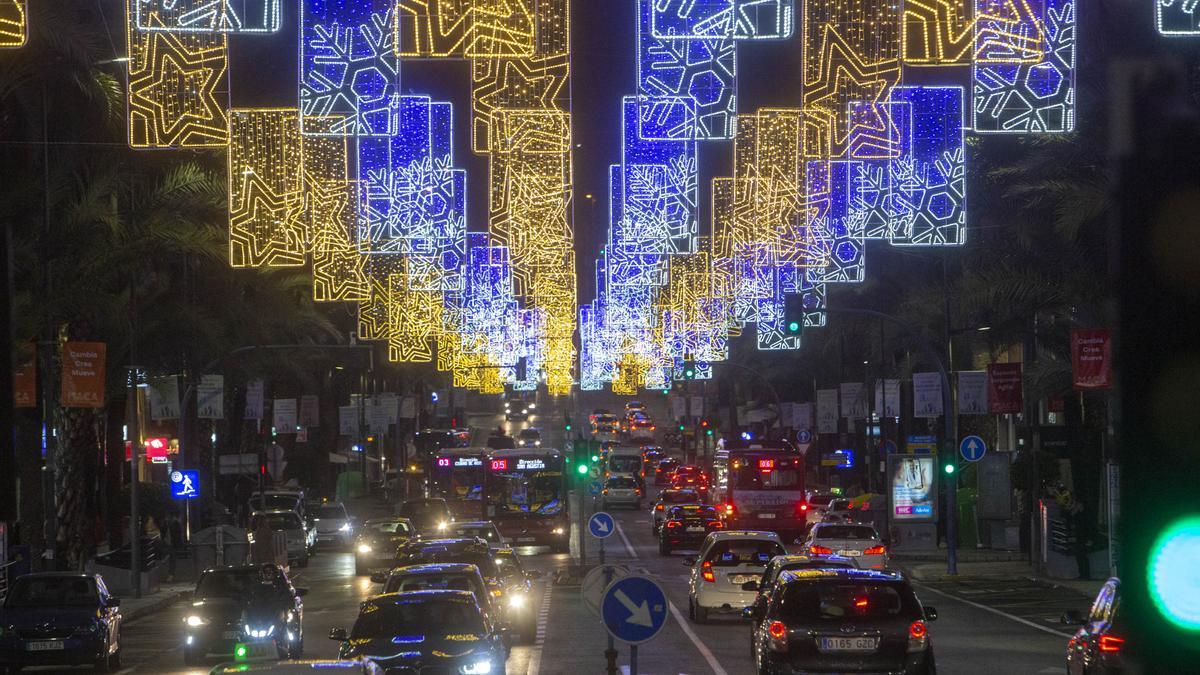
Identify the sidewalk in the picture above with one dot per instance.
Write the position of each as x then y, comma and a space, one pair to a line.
988, 565
167, 594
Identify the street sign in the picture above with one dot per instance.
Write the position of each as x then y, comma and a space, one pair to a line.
594, 487
185, 484
601, 525
634, 609
598, 579
972, 448
804, 436
889, 447
922, 445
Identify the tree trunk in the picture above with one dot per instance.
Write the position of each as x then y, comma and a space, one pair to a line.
75, 484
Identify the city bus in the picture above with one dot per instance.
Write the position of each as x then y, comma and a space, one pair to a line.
765, 487
458, 476
526, 497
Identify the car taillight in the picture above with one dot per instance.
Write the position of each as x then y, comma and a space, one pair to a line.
917, 636
777, 636
658, 507
716, 524
1111, 643
706, 572
672, 524
605, 490
819, 550
637, 491
729, 510
802, 510
876, 550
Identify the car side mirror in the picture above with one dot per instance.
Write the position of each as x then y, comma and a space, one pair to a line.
113, 602
750, 586
1071, 618
378, 577
301, 592
338, 634
748, 612
931, 613
689, 561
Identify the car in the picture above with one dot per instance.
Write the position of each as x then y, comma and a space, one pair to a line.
348, 667
605, 424
861, 543
252, 605
664, 470
786, 563
686, 526
621, 490
293, 529
817, 502
333, 524
726, 561
667, 498
60, 619
440, 576
651, 456
843, 620
520, 611
516, 407
694, 477
480, 529
639, 423
425, 631
453, 550
377, 541
529, 437
287, 500
634, 405
1098, 645
844, 511
430, 515
596, 414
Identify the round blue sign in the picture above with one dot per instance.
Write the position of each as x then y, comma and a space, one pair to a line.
972, 448
601, 525
634, 609
804, 436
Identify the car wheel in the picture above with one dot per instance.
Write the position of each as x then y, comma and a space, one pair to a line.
116, 660
297, 650
104, 664
930, 664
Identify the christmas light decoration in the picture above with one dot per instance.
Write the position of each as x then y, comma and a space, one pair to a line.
1177, 18
14, 24
208, 16
266, 197
937, 32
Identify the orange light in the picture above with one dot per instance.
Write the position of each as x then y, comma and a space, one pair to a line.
706, 572
876, 550
1111, 643
658, 507
861, 603
777, 630
917, 630
819, 550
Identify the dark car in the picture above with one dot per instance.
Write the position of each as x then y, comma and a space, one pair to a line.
430, 515
668, 498
441, 577
251, 605
377, 541
845, 621
686, 526
425, 632
787, 563
520, 611
60, 619
1098, 645
662, 472
471, 551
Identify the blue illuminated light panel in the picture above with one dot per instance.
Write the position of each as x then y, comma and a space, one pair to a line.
929, 177
208, 16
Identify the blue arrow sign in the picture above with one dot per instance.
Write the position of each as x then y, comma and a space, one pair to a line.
634, 609
185, 484
804, 436
972, 448
594, 487
601, 525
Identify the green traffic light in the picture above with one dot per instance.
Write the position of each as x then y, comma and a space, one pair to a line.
950, 468
583, 469
681, 427
708, 433
1171, 573
794, 327
240, 652
595, 458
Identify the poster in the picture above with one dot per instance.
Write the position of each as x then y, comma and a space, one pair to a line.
310, 411
377, 416
210, 397
854, 400
804, 417
1091, 359
283, 411
678, 406
913, 492
927, 395
391, 407
697, 406
887, 398
162, 395
254, 400
972, 392
25, 378
83, 374
1005, 396
827, 411
348, 421
408, 408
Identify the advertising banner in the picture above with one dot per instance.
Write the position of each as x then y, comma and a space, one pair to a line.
972, 392
25, 379
210, 397
927, 395
803, 420
162, 396
1005, 396
913, 487
1091, 358
348, 420
310, 411
283, 415
83, 374
827, 411
854, 400
254, 400
887, 398
408, 408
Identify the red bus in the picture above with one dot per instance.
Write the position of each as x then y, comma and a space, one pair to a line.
765, 489
526, 497
458, 476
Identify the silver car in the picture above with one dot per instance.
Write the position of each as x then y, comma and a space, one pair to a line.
333, 524
289, 523
860, 543
622, 491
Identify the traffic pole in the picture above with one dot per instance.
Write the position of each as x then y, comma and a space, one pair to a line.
633, 660
610, 654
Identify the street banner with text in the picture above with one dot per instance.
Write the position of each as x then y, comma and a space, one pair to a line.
210, 397
283, 415
972, 392
927, 395
887, 398
162, 395
1005, 395
853, 400
254, 400
1091, 358
827, 411
348, 417
25, 379
83, 374
803, 417
310, 411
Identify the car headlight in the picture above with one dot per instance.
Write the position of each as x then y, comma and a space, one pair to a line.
344, 528
477, 668
538, 443
261, 632
557, 530
532, 406
442, 526
516, 601
364, 548
196, 621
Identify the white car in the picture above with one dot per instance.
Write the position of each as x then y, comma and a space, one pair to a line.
860, 543
333, 524
622, 490
817, 502
728, 560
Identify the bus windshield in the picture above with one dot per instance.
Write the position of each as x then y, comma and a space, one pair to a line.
535, 491
759, 472
458, 478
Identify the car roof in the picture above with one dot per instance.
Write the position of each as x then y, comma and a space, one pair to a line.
839, 573
447, 542
745, 534
59, 575
274, 512
418, 596
436, 568
802, 558
472, 523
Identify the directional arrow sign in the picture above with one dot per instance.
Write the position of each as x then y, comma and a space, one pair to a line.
634, 609
972, 448
601, 525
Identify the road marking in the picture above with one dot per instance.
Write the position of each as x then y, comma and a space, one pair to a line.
535, 656
1056, 633
625, 540
687, 630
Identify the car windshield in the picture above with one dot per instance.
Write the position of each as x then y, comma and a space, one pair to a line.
429, 582
840, 505
239, 584
388, 526
331, 512
679, 496
389, 618
530, 433
844, 532
278, 521
845, 602
509, 564
434, 553
485, 532
734, 552
422, 509
54, 592
693, 511
819, 499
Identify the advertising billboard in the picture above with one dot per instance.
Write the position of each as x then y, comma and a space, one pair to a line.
913, 480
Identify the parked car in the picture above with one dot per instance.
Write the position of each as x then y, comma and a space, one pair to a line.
726, 561
293, 529
60, 619
1098, 646
252, 605
377, 541
861, 543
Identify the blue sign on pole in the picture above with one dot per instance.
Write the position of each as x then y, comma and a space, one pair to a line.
804, 436
594, 487
601, 525
972, 448
634, 609
185, 484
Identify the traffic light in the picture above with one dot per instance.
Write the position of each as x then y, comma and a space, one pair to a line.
706, 426
689, 370
567, 421
681, 425
793, 314
949, 465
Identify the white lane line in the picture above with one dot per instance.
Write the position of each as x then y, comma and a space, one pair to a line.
535, 655
625, 540
687, 630
1055, 633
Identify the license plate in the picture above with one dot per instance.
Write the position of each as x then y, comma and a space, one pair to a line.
766, 515
848, 644
48, 646
526, 538
850, 553
696, 528
231, 635
742, 578
261, 650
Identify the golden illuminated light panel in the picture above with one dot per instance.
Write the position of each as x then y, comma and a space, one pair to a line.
266, 195
1009, 31
330, 216
414, 319
178, 90
938, 32
14, 24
